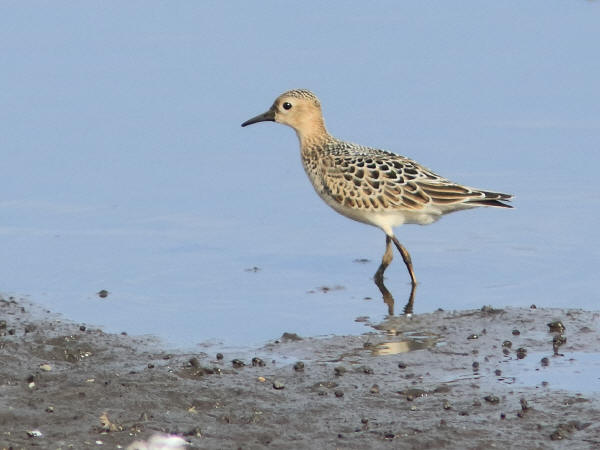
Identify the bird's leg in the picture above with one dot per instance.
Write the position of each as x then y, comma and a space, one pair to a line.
406, 258
385, 261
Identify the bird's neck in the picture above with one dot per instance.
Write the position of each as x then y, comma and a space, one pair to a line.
313, 134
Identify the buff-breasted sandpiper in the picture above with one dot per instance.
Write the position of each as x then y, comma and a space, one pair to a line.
370, 185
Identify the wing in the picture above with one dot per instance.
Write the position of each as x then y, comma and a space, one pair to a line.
374, 179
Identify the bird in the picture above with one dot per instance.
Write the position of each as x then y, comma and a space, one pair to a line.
370, 185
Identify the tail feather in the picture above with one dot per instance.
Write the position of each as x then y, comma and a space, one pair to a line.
492, 199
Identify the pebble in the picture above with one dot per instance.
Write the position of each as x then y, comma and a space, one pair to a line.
368, 370
339, 371
45, 367
402, 365
339, 394
299, 366
516, 332
492, 399
556, 327
237, 363
374, 389
278, 384
257, 362
545, 361
219, 356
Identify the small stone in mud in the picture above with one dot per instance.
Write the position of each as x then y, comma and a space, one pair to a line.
82, 328
492, 399
339, 371
3, 324
497, 372
516, 332
557, 341
447, 405
475, 366
150, 366
219, 356
556, 327
34, 434
257, 362
533, 306
402, 365
102, 293
238, 363
286, 337
339, 394
45, 367
473, 336
322, 392
411, 394
299, 366
558, 435
502, 416
367, 370
194, 362
507, 344
50, 409
521, 352
374, 389
545, 361
278, 384
506, 351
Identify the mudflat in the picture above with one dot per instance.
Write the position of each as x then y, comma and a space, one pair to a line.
477, 379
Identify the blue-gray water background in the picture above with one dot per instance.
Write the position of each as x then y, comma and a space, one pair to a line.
124, 166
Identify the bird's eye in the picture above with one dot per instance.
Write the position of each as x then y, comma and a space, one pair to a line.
287, 105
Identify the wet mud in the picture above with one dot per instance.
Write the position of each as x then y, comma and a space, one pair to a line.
439, 380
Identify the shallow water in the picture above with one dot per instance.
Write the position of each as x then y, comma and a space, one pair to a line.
124, 172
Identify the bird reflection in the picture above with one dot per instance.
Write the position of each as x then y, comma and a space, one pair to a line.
388, 299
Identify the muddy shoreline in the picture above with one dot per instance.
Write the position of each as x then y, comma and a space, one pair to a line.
438, 380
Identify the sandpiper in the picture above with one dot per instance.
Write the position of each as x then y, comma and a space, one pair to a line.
370, 185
